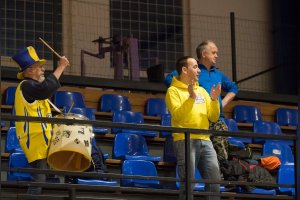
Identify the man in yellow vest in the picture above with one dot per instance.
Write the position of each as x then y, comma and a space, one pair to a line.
31, 100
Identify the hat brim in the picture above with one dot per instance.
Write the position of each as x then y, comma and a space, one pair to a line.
20, 73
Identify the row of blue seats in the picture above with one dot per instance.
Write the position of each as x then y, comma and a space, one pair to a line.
250, 114
286, 175
129, 146
157, 107
258, 127
107, 102
131, 117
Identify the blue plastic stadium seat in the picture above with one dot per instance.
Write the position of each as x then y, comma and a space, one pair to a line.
287, 117
131, 117
96, 182
18, 160
89, 113
12, 122
64, 98
236, 141
112, 102
257, 191
12, 144
165, 121
129, 146
286, 175
198, 177
267, 128
140, 168
246, 114
279, 149
10, 95
156, 107
169, 154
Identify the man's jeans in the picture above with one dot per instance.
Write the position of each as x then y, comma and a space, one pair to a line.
203, 155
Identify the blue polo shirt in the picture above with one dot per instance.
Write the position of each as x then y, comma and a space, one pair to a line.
208, 78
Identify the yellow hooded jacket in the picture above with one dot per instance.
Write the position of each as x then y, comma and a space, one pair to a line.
187, 112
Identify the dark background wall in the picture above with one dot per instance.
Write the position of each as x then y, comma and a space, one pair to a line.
286, 44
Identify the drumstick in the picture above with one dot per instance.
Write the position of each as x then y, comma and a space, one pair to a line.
71, 107
47, 45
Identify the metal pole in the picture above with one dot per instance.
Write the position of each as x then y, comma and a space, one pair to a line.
54, 31
297, 156
0, 121
188, 187
82, 66
233, 47
72, 193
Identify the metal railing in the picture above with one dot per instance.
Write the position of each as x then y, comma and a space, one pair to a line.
189, 190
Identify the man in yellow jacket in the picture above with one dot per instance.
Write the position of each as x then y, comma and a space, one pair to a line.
192, 107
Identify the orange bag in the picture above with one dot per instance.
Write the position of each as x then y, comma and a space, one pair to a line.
270, 162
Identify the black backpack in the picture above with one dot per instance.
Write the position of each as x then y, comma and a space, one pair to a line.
97, 164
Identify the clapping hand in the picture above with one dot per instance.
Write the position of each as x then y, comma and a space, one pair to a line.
191, 89
215, 92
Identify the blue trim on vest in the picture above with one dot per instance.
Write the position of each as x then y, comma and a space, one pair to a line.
26, 128
43, 124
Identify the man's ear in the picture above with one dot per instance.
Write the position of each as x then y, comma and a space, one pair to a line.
203, 54
184, 69
28, 71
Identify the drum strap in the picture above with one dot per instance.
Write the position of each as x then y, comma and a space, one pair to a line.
55, 108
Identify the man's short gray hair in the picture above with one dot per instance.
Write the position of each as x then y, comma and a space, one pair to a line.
201, 47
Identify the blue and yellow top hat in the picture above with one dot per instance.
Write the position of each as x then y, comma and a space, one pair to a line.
25, 59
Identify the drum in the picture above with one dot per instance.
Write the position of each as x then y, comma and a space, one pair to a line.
71, 145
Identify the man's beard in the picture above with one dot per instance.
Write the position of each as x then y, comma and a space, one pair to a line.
42, 78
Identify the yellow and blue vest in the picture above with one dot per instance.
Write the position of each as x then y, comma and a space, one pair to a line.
34, 137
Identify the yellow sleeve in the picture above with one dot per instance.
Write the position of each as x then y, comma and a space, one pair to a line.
177, 108
213, 108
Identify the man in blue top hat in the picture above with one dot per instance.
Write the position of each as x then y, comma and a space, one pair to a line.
31, 100
207, 53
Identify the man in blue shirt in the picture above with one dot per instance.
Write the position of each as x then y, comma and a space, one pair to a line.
207, 53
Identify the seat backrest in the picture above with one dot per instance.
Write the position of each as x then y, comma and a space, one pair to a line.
279, 149
112, 102
266, 127
156, 107
18, 160
128, 117
64, 98
87, 112
12, 141
165, 121
287, 117
138, 167
246, 114
129, 144
198, 177
286, 174
169, 154
10, 95
231, 124
12, 123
